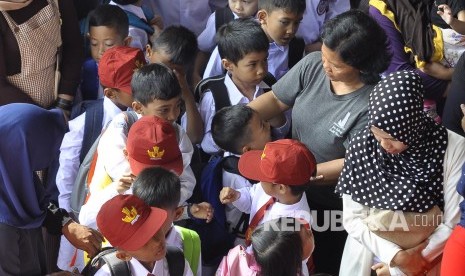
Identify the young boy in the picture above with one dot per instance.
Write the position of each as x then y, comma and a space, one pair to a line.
160, 188
176, 47
234, 10
284, 169
244, 48
136, 230
237, 129
156, 92
108, 27
280, 21
115, 72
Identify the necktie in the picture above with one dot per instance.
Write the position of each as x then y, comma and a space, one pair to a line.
257, 218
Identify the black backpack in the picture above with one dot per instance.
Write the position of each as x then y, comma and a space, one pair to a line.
118, 267
223, 16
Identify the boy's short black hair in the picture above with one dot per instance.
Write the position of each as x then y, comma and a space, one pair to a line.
292, 6
110, 16
298, 190
154, 81
241, 37
179, 42
158, 187
230, 127
125, 2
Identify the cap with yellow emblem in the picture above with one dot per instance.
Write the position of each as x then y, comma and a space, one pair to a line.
284, 161
151, 142
129, 223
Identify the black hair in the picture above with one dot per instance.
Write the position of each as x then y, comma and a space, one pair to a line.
158, 187
360, 42
154, 81
230, 129
241, 37
292, 6
277, 247
298, 190
110, 16
125, 2
178, 42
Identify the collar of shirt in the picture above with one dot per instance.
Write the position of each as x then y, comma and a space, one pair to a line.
275, 47
138, 269
110, 110
131, 8
235, 96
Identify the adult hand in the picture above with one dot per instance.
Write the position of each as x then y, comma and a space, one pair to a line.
462, 107
445, 13
83, 237
229, 195
410, 261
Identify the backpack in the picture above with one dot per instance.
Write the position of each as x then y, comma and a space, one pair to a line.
223, 16
191, 247
296, 51
86, 169
238, 262
118, 267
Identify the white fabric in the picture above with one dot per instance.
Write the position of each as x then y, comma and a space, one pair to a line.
366, 245
139, 36
206, 40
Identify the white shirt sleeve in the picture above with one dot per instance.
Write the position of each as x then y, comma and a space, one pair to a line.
207, 111
214, 66
70, 151
89, 211
244, 202
206, 39
187, 176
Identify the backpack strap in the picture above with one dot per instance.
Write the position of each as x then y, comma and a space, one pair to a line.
92, 126
130, 117
137, 22
219, 91
270, 80
223, 16
175, 259
117, 267
191, 246
296, 51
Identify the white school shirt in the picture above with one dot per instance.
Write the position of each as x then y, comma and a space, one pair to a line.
192, 14
206, 40
361, 242
137, 269
71, 149
111, 159
207, 110
278, 65
139, 36
316, 14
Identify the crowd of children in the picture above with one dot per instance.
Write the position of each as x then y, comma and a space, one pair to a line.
177, 152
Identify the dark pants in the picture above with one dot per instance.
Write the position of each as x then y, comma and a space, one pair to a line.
452, 114
22, 251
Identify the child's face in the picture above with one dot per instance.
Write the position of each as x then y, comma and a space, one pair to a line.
153, 250
165, 109
308, 243
280, 26
103, 38
243, 8
250, 70
270, 189
260, 133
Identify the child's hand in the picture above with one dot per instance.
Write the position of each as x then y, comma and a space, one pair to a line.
381, 269
202, 210
157, 25
125, 183
181, 76
445, 13
229, 195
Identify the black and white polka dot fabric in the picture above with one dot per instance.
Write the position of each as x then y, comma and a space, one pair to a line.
412, 180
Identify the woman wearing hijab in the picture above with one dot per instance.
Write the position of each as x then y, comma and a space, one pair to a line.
32, 33
30, 138
402, 161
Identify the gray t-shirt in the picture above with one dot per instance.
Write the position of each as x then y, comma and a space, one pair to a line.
322, 120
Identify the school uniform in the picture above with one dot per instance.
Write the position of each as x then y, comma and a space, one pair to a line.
113, 163
190, 14
137, 269
278, 59
206, 40
174, 238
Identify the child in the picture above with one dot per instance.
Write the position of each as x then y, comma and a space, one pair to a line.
136, 230
284, 169
160, 188
284, 240
176, 47
244, 48
280, 21
108, 27
115, 72
235, 9
156, 92
142, 22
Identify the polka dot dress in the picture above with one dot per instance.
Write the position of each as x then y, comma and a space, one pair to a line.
411, 181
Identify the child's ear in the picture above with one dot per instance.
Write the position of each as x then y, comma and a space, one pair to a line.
109, 93
125, 152
137, 107
227, 65
127, 41
122, 255
262, 16
178, 212
148, 50
246, 148
283, 189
